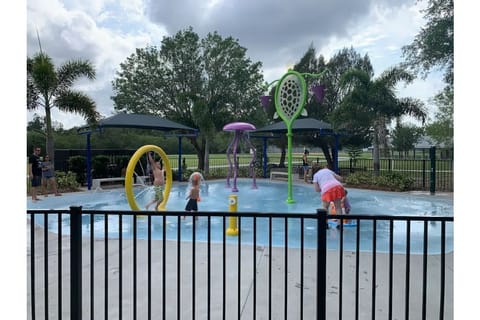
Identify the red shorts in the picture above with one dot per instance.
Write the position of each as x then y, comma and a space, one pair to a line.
333, 194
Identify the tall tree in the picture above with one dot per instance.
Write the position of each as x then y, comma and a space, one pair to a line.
49, 87
343, 61
404, 137
433, 45
36, 124
204, 83
441, 128
372, 103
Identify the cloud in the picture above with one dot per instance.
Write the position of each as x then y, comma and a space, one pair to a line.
92, 31
277, 33
272, 31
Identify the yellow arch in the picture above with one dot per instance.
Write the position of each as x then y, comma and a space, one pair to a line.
131, 170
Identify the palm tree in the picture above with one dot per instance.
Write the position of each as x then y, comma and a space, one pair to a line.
373, 103
48, 87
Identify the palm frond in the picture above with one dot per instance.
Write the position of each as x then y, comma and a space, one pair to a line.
42, 73
72, 70
413, 107
392, 76
355, 76
77, 102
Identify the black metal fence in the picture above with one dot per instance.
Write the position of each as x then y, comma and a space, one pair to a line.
420, 170
88, 264
418, 164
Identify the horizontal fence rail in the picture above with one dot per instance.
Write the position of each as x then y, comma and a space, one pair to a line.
92, 264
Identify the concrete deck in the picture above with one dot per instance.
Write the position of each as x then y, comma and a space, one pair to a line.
245, 304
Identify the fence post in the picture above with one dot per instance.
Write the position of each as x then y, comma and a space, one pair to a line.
76, 263
180, 159
424, 175
321, 263
433, 169
89, 163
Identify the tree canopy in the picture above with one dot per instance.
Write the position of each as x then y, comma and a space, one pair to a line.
433, 45
204, 83
432, 49
404, 137
371, 103
332, 70
441, 128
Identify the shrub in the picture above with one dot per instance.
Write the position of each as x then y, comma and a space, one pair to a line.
78, 165
359, 178
67, 182
100, 166
389, 181
185, 174
121, 166
395, 181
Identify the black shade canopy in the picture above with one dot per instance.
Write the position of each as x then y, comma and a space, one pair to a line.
303, 124
140, 121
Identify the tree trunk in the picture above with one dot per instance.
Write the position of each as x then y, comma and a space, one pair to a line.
206, 168
327, 155
200, 153
50, 147
382, 137
376, 153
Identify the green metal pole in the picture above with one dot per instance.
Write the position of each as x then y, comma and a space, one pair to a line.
290, 189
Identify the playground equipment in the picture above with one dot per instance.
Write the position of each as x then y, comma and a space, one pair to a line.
239, 128
232, 229
290, 96
130, 173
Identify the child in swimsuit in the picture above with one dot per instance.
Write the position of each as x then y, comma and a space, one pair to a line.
194, 194
346, 207
158, 182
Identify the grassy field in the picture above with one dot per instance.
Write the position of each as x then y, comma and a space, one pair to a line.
364, 161
417, 169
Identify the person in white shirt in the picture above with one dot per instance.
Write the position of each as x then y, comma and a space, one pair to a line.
330, 185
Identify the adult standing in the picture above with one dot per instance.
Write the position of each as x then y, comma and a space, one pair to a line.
48, 177
306, 165
35, 171
330, 185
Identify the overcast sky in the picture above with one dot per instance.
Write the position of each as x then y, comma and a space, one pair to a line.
277, 33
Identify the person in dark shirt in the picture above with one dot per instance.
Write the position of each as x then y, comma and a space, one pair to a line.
306, 165
35, 172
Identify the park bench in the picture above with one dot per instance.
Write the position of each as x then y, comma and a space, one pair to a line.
278, 174
97, 183
138, 180
281, 173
